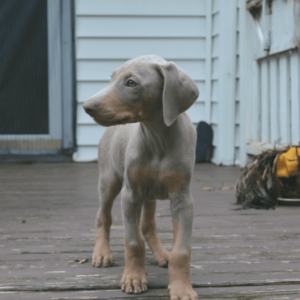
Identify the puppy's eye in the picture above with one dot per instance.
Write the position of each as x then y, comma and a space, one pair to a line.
131, 83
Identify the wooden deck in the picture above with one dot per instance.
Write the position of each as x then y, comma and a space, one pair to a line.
47, 214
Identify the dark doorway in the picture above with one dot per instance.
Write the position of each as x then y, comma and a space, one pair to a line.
23, 67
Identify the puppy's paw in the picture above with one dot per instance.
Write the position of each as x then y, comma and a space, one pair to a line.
102, 260
134, 281
179, 290
162, 257
163, 262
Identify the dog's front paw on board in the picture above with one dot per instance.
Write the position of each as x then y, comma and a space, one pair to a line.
179, 290
134, 281
101, 258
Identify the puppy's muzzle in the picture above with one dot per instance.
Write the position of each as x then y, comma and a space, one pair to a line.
94, 110
106, 114
90, 108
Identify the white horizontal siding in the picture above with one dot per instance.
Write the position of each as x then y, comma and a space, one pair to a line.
95, 70
89, 134
136, 26
141, 7
82, 117
85, 89
110, 32
85, 153
126, 48
196, 112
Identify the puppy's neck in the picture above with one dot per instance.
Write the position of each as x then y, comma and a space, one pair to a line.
154, 135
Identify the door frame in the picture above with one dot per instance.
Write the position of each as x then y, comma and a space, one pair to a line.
61, 138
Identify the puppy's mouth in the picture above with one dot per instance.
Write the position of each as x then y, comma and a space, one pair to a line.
113, 121
105, 114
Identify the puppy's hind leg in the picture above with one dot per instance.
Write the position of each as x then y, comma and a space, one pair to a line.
151, 236
109, 187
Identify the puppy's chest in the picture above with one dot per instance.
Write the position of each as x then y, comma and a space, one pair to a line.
156, 183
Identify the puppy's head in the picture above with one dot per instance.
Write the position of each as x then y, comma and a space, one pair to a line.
141, 90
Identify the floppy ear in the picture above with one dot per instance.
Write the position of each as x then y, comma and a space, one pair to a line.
179, 93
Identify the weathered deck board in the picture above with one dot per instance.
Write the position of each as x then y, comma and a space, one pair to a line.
47, 214
236, 293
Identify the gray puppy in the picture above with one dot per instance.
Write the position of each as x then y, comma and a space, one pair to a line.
149, 158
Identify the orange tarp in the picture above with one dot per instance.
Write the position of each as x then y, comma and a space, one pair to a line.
287, 163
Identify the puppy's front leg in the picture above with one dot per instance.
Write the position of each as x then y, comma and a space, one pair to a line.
179, 263
134, 278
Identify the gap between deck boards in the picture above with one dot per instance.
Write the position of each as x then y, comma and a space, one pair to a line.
92, 287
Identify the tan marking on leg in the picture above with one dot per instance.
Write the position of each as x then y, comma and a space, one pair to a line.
173, 180
151, 236
102, 255
134, 279
179, 269
142, 176
127, 75
175, 229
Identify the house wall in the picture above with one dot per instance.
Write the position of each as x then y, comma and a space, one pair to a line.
275, 101
250, 96
227, 142
110, 32
237, 100
212, 71
258, 80
272, 110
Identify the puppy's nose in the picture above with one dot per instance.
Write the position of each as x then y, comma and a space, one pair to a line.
90, 107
